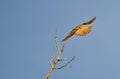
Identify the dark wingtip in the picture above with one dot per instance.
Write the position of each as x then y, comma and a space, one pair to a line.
94, 18
63, 40
90, 21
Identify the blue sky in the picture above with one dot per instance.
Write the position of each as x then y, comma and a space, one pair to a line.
27, 29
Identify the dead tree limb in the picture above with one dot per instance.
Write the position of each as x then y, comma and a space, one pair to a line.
58, 58
66, 63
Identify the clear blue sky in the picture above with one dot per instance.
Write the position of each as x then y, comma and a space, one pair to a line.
27, 30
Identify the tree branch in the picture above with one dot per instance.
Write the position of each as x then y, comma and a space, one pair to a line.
66, 63
58, 58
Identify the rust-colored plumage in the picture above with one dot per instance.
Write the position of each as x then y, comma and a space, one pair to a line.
80, 30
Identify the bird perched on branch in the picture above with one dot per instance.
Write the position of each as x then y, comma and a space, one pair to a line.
80, 30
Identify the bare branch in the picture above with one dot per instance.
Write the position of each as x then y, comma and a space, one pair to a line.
65, 64
56, 41
63, 46
62, 59
58, 58
51, 58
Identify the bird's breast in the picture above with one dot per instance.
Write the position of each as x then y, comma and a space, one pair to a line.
83, 31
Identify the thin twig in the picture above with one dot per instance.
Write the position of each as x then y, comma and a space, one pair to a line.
51, 58
65, 64
56, 41
58, 58
63, 46
52, 67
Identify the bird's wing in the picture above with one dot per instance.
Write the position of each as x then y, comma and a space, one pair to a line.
70, 34
89, 22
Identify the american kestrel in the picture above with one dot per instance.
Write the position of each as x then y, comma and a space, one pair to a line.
80, 30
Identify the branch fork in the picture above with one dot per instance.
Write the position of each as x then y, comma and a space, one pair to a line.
53, 63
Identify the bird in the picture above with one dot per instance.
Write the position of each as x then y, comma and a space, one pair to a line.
80, 30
